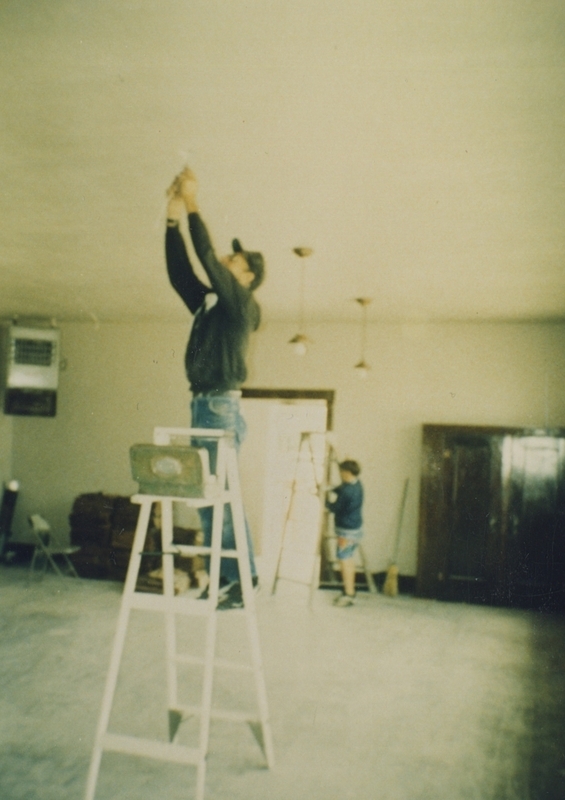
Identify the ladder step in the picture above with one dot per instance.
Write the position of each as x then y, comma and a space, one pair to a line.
189, 550
223, 663
145, 601
231, 716
149, 748
193, 502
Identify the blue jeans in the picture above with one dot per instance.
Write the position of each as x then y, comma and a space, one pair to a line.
221, 411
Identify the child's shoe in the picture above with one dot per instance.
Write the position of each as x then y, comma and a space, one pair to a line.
343, 600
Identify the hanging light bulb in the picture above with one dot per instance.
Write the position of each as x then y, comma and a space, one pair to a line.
300, 341
362, 368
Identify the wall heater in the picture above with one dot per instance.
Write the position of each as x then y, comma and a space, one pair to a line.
31, 377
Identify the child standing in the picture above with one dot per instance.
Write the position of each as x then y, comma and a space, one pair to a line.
347, 511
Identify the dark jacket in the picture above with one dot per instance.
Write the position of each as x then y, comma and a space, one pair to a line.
217, 347
347, 506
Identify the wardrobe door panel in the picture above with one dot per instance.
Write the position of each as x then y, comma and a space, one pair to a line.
536, 541
461, 548
472, 472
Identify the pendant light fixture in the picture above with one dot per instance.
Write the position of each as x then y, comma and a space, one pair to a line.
300, 341
362, 368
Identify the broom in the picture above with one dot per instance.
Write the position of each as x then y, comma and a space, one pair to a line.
390, 587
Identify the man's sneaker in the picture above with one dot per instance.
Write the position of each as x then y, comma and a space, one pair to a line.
344, 600
232, 599
230, 595
222, 591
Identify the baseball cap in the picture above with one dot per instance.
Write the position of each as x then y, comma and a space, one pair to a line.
255, 261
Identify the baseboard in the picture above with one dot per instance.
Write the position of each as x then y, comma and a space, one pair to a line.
406, 583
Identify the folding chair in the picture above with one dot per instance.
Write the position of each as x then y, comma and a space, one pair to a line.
45, 551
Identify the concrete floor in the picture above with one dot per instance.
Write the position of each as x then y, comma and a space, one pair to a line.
395, 698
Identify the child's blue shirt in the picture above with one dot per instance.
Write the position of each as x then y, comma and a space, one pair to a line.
346, 508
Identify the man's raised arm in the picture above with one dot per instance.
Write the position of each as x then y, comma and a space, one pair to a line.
181, 273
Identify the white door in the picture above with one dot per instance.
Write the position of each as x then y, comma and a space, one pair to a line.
282, 470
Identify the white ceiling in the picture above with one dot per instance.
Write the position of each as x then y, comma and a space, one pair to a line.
417, 145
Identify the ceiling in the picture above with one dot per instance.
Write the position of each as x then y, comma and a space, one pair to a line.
417, 146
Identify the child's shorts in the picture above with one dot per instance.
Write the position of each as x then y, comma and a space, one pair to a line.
352, 537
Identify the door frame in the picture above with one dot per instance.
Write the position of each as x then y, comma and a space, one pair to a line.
294, 394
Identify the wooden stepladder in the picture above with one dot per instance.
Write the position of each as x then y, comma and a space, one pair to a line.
185, 479
299, 554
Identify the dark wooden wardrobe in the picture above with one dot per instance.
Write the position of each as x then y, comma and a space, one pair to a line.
492, 516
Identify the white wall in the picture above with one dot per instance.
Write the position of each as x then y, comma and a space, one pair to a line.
124, 379
483, 374
121, 381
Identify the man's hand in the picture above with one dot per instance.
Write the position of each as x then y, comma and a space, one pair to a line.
175, 206
188, 188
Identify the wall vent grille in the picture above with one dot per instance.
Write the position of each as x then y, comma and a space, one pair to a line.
35, 352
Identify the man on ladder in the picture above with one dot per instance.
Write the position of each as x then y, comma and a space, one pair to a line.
225, 314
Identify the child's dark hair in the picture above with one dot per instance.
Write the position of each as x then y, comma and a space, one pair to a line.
350, 466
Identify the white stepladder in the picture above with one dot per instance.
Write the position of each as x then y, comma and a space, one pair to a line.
177, 470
